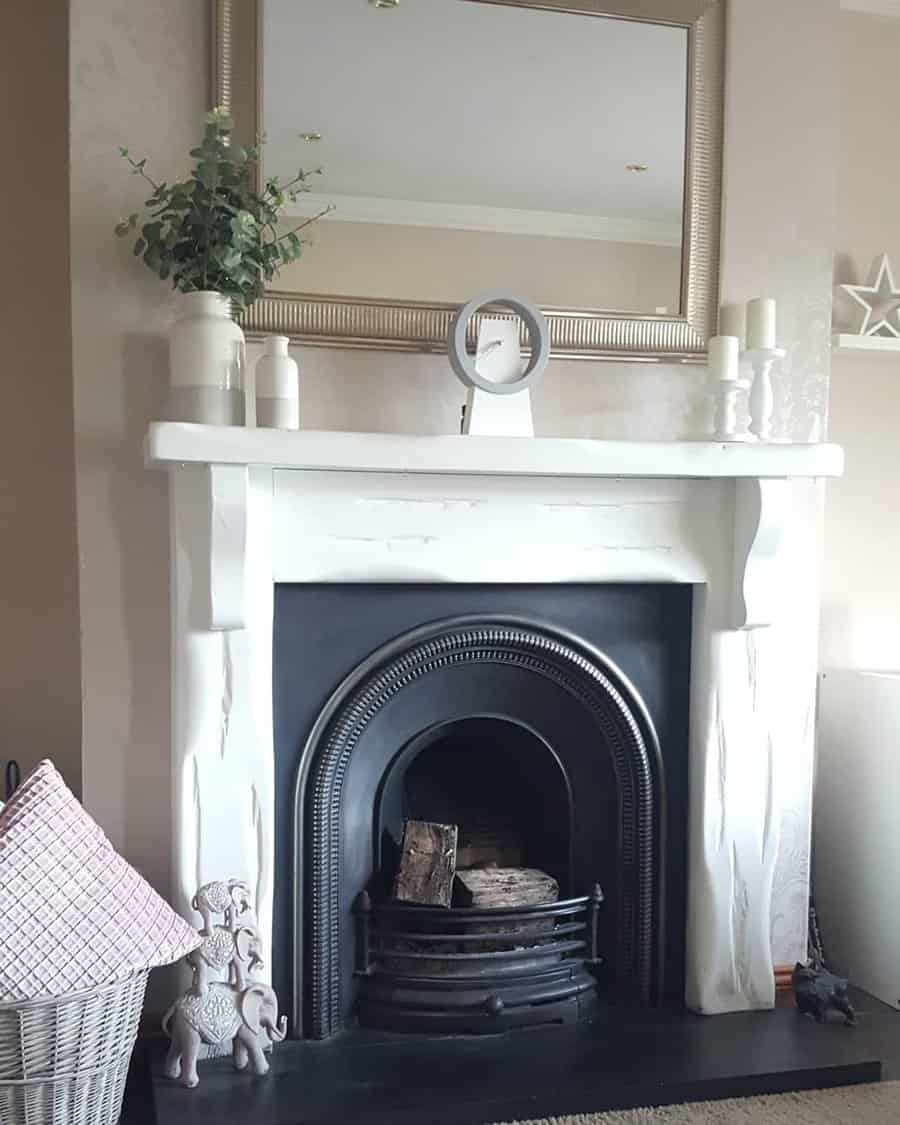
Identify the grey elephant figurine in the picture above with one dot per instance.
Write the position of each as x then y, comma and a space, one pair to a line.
223, 1013
817, 991
215, 1011
230, 897
238, 951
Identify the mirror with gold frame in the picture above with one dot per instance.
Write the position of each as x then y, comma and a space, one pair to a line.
565, 151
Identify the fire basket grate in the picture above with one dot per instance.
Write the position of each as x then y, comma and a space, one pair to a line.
476, 970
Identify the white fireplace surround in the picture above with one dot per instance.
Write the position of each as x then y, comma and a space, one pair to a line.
250, 508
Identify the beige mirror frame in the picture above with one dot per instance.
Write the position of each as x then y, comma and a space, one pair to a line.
313, 318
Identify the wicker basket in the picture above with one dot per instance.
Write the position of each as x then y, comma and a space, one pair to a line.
64, 1061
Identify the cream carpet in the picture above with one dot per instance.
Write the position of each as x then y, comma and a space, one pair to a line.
878, 1104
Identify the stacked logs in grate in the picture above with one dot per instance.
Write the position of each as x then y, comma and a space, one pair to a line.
427, 876
427, 873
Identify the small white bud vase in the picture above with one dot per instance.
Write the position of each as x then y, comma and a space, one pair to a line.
277, 386
206, 349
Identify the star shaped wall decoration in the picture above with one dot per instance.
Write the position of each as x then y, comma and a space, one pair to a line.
880, 300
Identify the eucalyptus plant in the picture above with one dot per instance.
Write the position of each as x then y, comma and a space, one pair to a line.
216, 230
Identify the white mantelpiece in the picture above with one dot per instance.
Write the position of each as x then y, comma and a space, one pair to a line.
252, 508
184, 443
760, 473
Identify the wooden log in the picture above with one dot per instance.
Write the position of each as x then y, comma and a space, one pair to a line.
498, 887
481, 854
488, 840
427, 863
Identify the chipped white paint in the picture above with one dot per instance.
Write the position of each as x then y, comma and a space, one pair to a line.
752, 690
365, 526
760, 471
222, 752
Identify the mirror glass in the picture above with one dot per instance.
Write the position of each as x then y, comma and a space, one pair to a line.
469, 145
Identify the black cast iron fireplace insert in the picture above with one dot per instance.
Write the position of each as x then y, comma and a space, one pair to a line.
459, 968
522, 728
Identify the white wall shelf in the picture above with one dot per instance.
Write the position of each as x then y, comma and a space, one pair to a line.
873, 7
872, 345
173, 443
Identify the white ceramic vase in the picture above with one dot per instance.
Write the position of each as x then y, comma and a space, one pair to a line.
277, 386
206, 349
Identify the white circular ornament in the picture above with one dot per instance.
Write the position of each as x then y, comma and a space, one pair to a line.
464, 365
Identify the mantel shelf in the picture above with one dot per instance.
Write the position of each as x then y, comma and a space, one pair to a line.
179, 443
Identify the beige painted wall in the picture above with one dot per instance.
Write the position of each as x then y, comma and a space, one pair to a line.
861, 610
138, 77
40, 661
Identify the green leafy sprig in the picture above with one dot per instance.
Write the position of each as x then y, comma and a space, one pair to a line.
214, 230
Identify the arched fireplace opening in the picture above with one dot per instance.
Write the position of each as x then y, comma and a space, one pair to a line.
530, 742
497, 780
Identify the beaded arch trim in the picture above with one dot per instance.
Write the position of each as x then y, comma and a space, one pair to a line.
532, 649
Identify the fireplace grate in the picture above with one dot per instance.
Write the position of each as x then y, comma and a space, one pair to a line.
468, 970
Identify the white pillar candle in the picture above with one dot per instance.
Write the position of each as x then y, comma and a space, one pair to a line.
760, 323
731, 321
724, 358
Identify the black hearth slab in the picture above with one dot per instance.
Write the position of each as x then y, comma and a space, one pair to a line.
622, 1060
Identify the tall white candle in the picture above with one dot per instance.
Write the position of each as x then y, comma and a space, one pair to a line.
724, 358
760, 323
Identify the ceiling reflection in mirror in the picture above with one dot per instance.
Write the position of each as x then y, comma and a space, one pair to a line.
469, 145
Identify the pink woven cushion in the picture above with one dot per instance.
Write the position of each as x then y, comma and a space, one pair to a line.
73, 913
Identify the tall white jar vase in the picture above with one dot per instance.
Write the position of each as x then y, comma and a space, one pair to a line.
206, 349
277, 386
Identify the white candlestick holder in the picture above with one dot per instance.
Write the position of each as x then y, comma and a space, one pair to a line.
727, 393
762, 397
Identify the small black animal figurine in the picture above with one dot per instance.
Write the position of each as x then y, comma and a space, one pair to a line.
818, 991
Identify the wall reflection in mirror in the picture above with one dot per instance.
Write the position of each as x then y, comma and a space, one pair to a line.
469, 145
